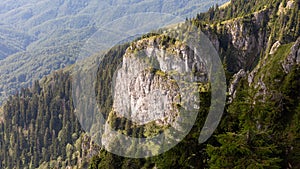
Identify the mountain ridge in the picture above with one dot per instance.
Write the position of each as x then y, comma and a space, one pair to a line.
259, 128
51, 24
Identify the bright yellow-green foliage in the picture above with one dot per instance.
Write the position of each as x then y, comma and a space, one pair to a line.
273, 71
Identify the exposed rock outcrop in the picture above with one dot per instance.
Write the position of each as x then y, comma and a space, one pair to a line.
293, 57
274, 47
244, 37
149, 83
290, 4
234, 83
262, 88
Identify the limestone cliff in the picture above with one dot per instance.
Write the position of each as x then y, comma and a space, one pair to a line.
149, 83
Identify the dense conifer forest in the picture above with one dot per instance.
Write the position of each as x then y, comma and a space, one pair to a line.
259, 128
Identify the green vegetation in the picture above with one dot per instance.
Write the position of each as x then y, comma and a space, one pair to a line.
259, 21
39, 124
274, 71
263, 130
38, 38
259, 129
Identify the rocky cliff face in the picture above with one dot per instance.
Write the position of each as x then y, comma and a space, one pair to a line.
293, 57
244, 40
241, 39
149, 84
272, 69
38, 37
248, 44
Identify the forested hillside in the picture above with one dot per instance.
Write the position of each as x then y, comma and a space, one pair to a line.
38, 37
259, 45
258, 42
38, 124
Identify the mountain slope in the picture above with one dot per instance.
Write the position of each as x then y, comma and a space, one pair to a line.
13, 41
38, 30
259, 129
